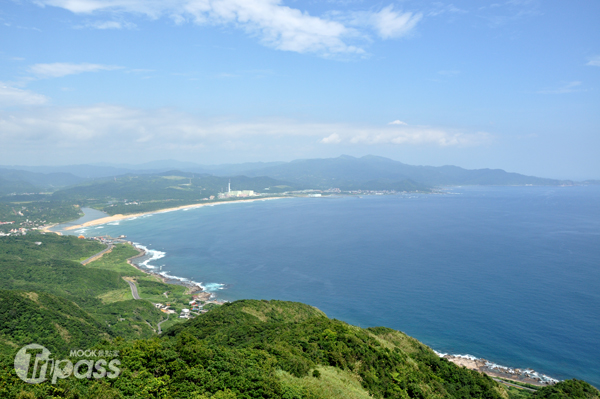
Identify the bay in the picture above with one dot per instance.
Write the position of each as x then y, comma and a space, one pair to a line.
509, 274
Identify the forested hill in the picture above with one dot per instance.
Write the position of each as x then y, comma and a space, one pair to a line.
12, 180
275, 349
168, 185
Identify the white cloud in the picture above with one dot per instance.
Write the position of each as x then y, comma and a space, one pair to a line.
110, 128
11, 96
60, 69
397, 122
419, 135
594, 61
333, 138
277, 26
392, 24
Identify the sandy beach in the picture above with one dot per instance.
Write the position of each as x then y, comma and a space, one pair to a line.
118, 217
46, 228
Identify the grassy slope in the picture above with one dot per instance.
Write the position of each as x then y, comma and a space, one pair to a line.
98, 288
300, 338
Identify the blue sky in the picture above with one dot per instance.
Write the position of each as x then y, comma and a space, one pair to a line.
508, 84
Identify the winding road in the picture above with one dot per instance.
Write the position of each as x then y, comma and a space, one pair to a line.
160, 322
134, 291
98, 255
513, 385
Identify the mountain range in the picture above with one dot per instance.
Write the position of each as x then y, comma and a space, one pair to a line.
344, 172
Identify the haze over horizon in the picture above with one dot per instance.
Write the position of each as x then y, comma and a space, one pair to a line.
511, 85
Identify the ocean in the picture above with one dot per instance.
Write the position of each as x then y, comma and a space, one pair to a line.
509, 274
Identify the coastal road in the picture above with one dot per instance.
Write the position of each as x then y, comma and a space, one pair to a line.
160, 322
512, 385
134, 291
98, 255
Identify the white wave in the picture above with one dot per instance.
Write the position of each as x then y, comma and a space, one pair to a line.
113, 224
467, 356
508, 370
170, 277
212, 287
152, 255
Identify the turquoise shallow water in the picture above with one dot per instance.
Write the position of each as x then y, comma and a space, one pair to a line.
510, 274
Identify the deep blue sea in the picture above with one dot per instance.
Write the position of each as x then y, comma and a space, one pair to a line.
509, 274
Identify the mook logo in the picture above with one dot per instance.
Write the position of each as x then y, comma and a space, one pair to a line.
34, 365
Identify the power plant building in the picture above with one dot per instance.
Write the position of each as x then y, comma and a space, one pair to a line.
236, 193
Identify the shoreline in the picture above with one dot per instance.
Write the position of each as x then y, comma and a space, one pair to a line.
120, 217
46, 229
481, 365
494, 370
192, 287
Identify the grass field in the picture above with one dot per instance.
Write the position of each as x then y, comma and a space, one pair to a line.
116, 260
150, 287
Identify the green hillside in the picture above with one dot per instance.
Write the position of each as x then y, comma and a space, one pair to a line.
48, 320
275, 349
53, 267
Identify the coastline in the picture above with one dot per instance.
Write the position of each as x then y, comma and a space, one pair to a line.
119, 217
494, 370
193, 288
481, 365
46, 229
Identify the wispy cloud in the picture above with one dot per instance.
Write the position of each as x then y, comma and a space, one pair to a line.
278, 26
505, 12
448, 73
567, 87
392, 24
441, 8
413, 135
398, 122
156, 130
594, 61
12, 96
107, 25
60, 69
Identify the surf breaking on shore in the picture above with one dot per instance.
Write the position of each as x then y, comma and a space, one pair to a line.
143, 263
147, 256
495, 370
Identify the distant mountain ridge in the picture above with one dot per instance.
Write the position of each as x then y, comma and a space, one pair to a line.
372, 168
345, 172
